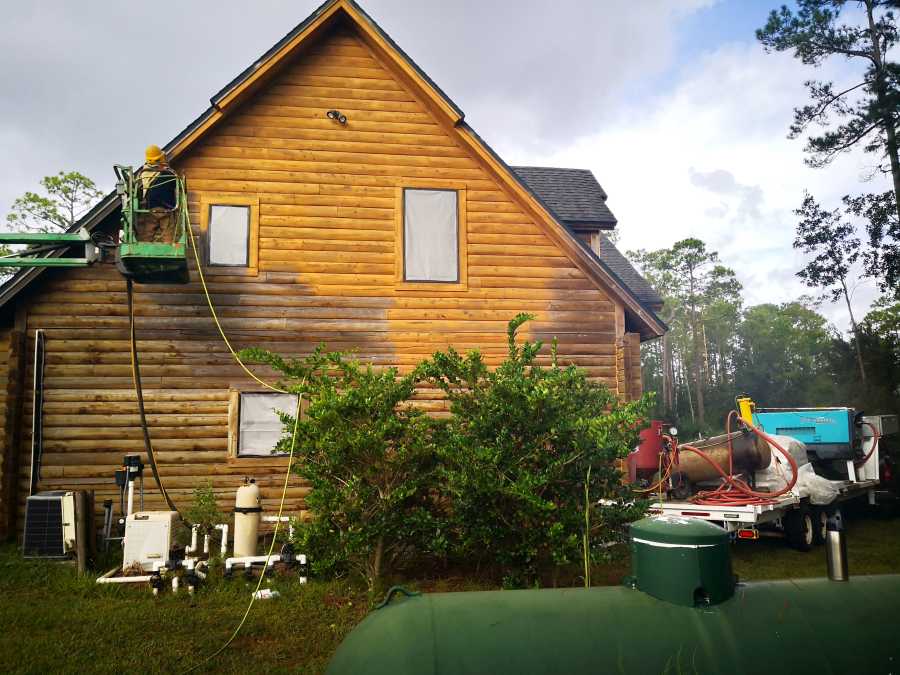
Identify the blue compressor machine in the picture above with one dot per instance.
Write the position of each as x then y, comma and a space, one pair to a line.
828, 433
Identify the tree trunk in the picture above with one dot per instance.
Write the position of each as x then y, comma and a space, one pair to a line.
696, 365
859, 358
375, 567
668, 376
887, 114
687, 390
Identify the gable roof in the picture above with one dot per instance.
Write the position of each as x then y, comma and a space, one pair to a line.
622, 267
247, 82
574, 194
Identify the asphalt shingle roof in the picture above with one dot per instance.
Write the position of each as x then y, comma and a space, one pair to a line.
622, 268
574, 195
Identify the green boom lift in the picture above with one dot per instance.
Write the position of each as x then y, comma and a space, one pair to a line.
158, 257
153, 243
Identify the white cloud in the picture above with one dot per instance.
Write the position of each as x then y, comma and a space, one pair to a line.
710, 159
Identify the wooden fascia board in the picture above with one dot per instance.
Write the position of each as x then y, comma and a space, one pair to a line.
235, 94
275, 60
558, 233
371, 35
195, 134
376, 41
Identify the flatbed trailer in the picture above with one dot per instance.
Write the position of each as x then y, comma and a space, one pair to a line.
802, 523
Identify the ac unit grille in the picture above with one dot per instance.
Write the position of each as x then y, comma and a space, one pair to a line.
44, 528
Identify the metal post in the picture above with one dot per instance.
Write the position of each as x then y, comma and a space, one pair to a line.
836, 549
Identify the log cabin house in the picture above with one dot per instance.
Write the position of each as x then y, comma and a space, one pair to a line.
394, 234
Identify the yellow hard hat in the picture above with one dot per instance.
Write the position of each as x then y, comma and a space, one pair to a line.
154, 155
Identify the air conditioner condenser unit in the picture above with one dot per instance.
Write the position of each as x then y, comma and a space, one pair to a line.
51, 523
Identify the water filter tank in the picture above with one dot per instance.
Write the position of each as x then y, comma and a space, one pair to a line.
246, 519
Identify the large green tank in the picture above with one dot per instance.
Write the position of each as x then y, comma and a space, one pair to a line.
804, 626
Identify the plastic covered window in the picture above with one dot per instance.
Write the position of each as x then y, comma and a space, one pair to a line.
430, 235
260, 427
229, 235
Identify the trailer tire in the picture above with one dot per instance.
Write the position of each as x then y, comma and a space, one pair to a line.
820, 525
799, 529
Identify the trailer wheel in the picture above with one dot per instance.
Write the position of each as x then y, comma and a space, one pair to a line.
820, 525
799, 529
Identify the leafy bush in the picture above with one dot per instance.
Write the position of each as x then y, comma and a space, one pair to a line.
204, 511
368, 458
504, 481
515, 454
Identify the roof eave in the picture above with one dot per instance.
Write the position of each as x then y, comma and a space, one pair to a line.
89, 221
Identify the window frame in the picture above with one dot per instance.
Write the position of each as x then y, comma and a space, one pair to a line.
251, 202
234, 431
462, 280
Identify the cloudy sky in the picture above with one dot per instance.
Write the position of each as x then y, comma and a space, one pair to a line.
672, 103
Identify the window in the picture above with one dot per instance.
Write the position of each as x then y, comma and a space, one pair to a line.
259, 427
431, 235
229, 226
228, 234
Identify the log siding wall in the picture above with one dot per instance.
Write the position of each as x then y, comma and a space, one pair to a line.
326, 273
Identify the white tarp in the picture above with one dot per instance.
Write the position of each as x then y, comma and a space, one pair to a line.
430, 235
809, 484
260, 426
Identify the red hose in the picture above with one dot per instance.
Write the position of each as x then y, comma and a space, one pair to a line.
875, 438
733, 491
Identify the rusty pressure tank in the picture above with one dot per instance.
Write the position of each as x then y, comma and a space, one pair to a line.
750, 453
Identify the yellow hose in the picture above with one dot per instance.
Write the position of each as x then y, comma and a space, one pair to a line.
215, 316
287, 473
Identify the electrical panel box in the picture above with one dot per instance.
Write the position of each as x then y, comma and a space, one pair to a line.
49, 525
148, 538
828, 433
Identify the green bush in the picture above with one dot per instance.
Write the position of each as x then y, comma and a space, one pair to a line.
514, 458
368, 458
503, 482
204, 511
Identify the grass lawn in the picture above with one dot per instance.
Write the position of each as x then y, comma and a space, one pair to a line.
55, 622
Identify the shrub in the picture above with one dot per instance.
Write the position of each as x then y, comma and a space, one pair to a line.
204, 511
368, 458
514, 457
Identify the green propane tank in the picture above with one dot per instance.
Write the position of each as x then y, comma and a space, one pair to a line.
683, 560
801, 626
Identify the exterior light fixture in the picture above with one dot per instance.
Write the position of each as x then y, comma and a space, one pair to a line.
337, 116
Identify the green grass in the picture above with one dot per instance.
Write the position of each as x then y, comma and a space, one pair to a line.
873, 547
54, 621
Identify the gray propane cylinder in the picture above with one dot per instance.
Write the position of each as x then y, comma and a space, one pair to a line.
246, 519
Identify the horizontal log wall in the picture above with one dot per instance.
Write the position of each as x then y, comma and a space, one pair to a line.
327, 197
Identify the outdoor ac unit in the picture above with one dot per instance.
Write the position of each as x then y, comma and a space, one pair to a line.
50, 523
148, 538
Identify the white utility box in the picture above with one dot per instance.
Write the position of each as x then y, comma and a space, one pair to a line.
148, 538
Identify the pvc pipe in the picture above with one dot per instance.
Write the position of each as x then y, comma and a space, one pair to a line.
130, 496
125, 580
107, 575
193, 546
206, 544
223, 549
174, 585
282, 519
248, 561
